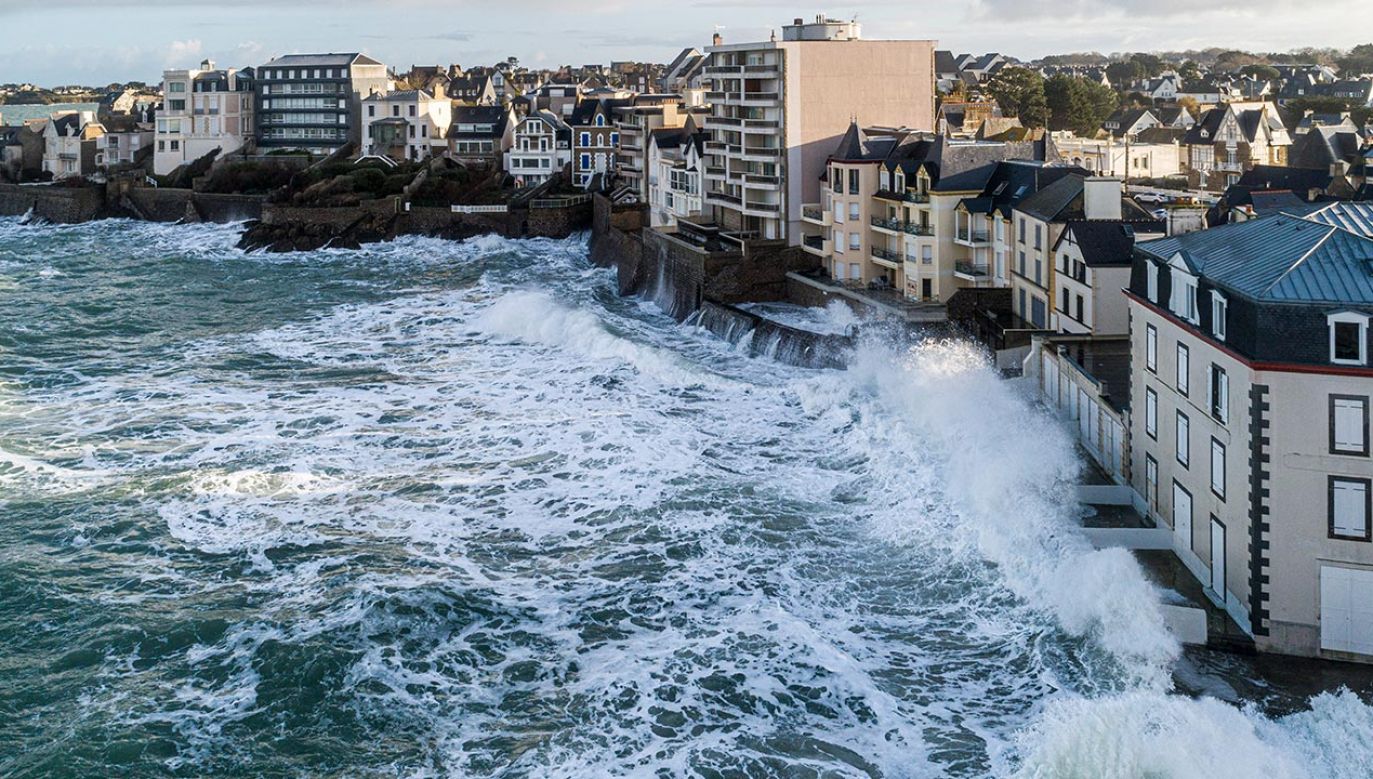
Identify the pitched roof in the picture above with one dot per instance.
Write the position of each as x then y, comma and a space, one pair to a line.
404, 95
1053, 201
1357, 218
1299, 180
1106, 243
1283, 259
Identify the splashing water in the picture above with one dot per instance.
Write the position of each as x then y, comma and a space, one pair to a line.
437, 509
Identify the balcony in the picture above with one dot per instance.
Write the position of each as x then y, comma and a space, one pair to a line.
894, 226
966, 237
971, 271
816, 244
816, 214
721, 197
886, 256
903, 197
759, 180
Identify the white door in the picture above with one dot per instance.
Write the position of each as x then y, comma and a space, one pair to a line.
1347, 609
1182, 517
1218, 558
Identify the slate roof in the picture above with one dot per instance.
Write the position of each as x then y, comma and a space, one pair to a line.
1321, 147
494, 115
1107, 243
321, 60
1161, 135
1280, 259
1204, 131
1357, 218
406, 95
584, 113
1299, 180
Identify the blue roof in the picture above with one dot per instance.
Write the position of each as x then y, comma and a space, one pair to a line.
1279, 259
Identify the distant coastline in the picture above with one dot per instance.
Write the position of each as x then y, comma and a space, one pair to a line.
18, 113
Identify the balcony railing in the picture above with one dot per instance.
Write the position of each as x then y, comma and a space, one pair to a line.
972, 236
813, 213
816, 242
885, 254
902, 226
907, 196
971, 269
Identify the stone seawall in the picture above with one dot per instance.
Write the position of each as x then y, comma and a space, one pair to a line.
766, 337
176, 205
67, 205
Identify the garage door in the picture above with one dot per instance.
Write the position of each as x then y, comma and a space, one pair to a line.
1347, 610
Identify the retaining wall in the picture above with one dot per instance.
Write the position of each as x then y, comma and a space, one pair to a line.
67, 205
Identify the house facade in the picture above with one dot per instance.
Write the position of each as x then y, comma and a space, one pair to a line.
407, 125
313, 102
1249, 425
70, 144
595, 140
203, 109
1231, 139
676, 164
542, 147
1092, 261
481, 135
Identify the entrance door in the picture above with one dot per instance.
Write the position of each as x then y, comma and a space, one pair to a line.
926, 289
1218, 558
1182, 517
1347, 609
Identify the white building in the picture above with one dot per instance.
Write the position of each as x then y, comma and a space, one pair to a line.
675, 163
1121, 157
407, 125
202, 110
543, 147
70, 144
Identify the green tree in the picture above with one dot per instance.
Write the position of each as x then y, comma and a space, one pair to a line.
1189, 71
1264, 72
1359, 60
1234, 60
1152, 64
1126, 72
1020, 93
1078, 104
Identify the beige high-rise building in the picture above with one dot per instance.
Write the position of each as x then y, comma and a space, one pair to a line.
780, 107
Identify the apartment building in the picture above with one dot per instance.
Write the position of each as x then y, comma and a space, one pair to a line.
1039, 222
313, 102
1249, 423
128, 140
675, 164
542, 147
407, 125
780, 107
1123, 157
635, 122
920, 212
203, 109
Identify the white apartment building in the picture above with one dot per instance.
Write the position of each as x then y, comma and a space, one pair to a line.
407, 125
70, 144
779, 107
203, 109
1251, 383
1111, 156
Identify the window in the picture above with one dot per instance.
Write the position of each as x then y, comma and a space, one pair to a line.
1022, 263
1151, 481
839, 240
838, 212
927, 254
584, 139
1021, 222
1348, 338
1218, 311
1184, 297
1349, 508
853, 181
853, 211
1219, 391
614, 139
1184, 367
1184, 440
371, 110
1039, 237
412, 110
1218, 468
1349, 425
1079, 310
176, 86
1151, 413
1151, 270
1151, 348
836, 180
585, 161
855, 241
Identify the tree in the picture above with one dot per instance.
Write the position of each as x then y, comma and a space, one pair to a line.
1078, 104
1189, 71
1359, 60
1191, 106
1234, 60
1020, 93
1125, 73
1262, 72
1152, 64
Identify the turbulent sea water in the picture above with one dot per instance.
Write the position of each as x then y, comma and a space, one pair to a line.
441, 509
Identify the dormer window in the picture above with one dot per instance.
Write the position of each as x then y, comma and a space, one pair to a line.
900, 181
1152, 271
1206, 133
1183, 301
1348, 338
1219, 309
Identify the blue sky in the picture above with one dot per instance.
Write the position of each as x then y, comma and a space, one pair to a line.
98, 41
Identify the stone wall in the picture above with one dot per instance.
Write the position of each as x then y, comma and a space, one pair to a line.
558, 222
67, 205
333, 218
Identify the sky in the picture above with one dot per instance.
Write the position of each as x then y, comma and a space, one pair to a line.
52, 42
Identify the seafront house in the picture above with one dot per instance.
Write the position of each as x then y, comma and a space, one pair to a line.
542, 147
634, 123
127, 140
780, 107
313, 102
595, 140
1039, 221
1092, 261
1249, 428
203, 109
481, 135
70, 144
676, 160
1231, 139
407, 125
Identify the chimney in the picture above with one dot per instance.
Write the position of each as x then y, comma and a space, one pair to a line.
1101, 197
